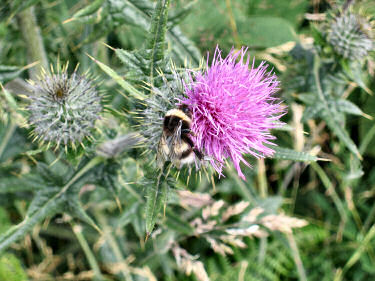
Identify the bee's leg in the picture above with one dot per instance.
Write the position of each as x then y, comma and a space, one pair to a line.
191, 143
188, 140
186, 131
198, 153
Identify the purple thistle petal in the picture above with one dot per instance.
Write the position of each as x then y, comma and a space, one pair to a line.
233, 109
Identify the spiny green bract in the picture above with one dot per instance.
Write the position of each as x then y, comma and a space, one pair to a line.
349, 35
63, 109
157, 105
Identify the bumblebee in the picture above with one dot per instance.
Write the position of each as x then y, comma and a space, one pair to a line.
175, 143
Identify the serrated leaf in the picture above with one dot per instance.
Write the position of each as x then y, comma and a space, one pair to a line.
138, 13
354, 71
128, 215
330, 113
290, 154
74, 208
156, 198
48, 176
30, 182
312, 111
341, 133
348, 107
119, 80
48, 202
156, 41
49, 208
183, 48
135, 64
41, 198
307, 98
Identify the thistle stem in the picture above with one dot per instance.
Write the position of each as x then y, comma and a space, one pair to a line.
297, 258
93, 162
232, 22
262, 179
125, 270
77, 229
33, 41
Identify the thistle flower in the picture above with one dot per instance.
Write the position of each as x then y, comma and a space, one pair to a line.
349, 35
63, 109
233, 109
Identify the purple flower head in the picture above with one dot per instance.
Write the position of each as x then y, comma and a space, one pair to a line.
233, 109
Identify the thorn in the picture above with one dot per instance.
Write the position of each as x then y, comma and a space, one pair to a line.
359, 156
367, 116
147, 235
68, 20
323, 159
118, 203
97, 228
109, 47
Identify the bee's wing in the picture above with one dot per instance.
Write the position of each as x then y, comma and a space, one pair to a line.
163, 151
175, 143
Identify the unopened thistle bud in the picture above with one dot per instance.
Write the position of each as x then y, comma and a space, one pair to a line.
63, 109
350, 36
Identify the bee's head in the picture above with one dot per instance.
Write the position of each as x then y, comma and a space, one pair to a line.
185, 109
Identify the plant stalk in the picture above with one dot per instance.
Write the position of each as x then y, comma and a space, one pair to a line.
33, 41
77, 229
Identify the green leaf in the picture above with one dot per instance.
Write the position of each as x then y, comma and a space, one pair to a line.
312, 111
88, 10
128, 215
40, 199
334, 124
354, 71
135, 64
290, 154
119, 80
74, 208
156, 41
176, 223
270, 204
175, 17
346, 106
330, 113
183, 48
156, 198
4, 220
48, 207
11, 268
30, 182
138, 13
20, 5
8, 73
47, 202
265, 31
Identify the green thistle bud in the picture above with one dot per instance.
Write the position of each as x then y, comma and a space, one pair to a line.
63, 109
161, 100
349, 35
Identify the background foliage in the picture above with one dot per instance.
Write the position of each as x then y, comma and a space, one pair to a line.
99, 212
